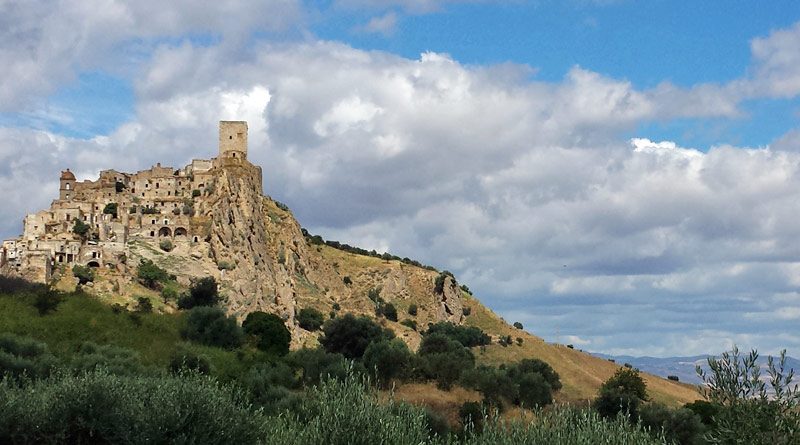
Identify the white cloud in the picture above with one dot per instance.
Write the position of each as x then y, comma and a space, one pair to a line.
385, 24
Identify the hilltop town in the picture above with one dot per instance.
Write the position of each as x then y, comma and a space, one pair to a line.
92, 222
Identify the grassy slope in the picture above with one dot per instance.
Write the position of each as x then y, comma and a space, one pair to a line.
581, 373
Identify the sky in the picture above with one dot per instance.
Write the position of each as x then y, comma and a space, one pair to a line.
622, 176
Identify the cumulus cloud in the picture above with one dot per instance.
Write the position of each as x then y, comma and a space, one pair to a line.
384, 24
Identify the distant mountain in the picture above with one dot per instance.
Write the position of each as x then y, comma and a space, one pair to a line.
682, 367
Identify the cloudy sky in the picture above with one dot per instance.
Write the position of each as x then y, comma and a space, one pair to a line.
623, 176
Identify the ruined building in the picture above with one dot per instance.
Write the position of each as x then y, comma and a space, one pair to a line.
92, 222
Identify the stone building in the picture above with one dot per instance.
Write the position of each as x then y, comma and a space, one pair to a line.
92, 222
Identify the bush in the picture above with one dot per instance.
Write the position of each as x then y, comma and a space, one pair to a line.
81, 229
226, 265
410, 323
210, 326
444, 359
347, 281
747, 412
310, 319
680, 426
144, 305
169, 293
534, 365
674, 378
270, 332
494, 384
102, 408
183, 361
150, 275
412, 310
203, 292
438, 284
84, 274
119, 186
268, 385
317, 365
389, 311
47, 300
468, 336
350, 335
166, 245
111, 209
518, 325
387, 360
471, 416
195, 193
622, 393
466, 310
113, 359
23, 356
176, 211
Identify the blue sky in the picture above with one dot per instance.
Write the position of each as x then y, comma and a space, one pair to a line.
620, 175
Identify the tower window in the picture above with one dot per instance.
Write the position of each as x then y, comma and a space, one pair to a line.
68, 186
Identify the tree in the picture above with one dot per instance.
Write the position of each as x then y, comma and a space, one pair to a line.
390, 312
310, 319
202, 293
387, 360
316, 365
24, 356
518, 325
81, 229
150, 274
210, 326
412, 310
111, 209
623, 392
468, 336
680, 426
270, 332
84, 274
534, 365
144, 305
747, 412
444, 359
471, 415
185, 360
47, 300
350, 335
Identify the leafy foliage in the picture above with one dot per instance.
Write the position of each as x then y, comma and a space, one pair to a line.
444, 359
469, 336
310, 319
350, 335
84, 274
389, 311
270, 332
81, 229
747, 412
150, 274
23, 356
47, 300
113, 359
387, 360
203, 292
210, 326
111, 209
623, 393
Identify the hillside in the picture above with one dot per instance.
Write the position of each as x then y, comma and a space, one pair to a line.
262, 259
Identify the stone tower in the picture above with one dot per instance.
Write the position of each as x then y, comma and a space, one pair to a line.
67, 189
233, 139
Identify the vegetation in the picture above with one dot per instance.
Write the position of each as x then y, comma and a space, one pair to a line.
468, 336
350, 335
81, 229
84, 274
269, 332
210, 326
150, 275
310, 319
318, 240
746, 413
412, 310
203, 292
623, 393
111, 209
166, 245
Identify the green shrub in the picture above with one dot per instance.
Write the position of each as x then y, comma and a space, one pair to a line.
203, 292
444, 359
746, 411
113, 359
210, 326
183, 361
119, 186
350, 335
518, 325
84, 274
387, 360
81, 229
144, 305
102, 408
268, 385
316, 365
471, 415
47, 300
410, 323
226, 265
622, 393
195, 193
111, 209
166, 245
23, 356
389, 311
468, 336
680, 426
494, 384
270, 332
150, 275
412, 310
347, 281
534, 365
310, 319
169, 293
